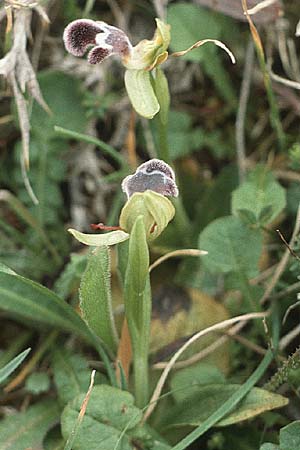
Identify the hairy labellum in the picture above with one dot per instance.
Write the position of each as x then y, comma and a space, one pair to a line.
154, 175
107, 40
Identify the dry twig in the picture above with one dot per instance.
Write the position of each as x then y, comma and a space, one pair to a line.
16, 67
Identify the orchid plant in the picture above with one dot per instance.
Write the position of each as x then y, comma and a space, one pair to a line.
147, 211
142, 82
143, 218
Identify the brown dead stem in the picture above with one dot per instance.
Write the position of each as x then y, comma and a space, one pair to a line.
16, 67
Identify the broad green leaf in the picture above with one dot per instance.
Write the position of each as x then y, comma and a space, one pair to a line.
71, 374
27, 429
231, 246
197, 408
12, 365
97, 240
141, 94
109, 412
289, 436
37, 383
95, 297
185, 383
261, 195
26, 299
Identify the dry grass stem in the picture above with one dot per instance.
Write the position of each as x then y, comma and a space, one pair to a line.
260, 6
241, 112
175, 254
283, 262
195, 337
289, 337
285, 81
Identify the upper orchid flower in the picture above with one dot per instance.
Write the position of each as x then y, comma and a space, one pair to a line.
144, 92
139, 60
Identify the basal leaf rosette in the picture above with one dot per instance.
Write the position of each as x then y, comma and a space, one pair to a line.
157, 212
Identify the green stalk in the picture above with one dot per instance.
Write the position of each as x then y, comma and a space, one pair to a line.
163, 149
161, 88
137, 299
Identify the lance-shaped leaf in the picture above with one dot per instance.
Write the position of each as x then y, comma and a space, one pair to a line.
25, 299
141, 93
97, 240
12, 365
95, 296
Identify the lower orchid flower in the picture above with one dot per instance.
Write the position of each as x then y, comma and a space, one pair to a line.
146, 192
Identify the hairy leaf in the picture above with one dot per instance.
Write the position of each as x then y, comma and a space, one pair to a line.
95, 297
109, 412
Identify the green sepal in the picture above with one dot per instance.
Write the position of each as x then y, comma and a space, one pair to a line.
141, 93
97, 240
157, 212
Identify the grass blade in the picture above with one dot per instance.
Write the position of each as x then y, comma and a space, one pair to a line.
12, 365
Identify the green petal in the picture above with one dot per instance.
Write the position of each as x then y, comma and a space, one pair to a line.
112, 238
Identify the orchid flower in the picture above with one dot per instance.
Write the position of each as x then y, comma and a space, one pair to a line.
146, 192
106, 40
102, 40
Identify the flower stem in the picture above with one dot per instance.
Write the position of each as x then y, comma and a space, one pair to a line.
163, 152
137, 298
